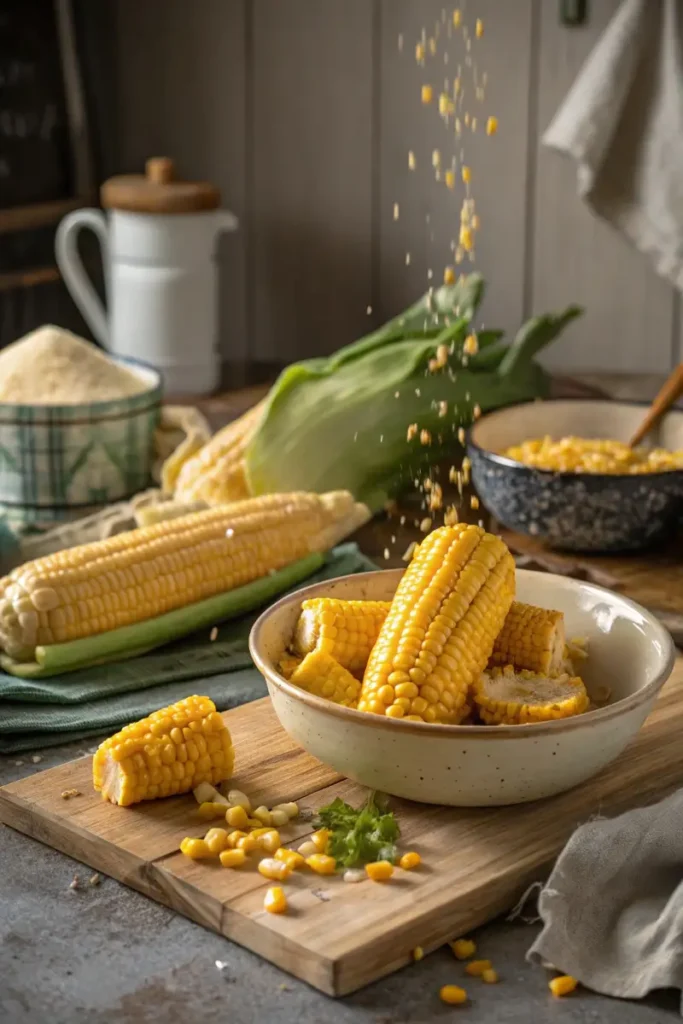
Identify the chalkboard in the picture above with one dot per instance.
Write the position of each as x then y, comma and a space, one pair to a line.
35, 154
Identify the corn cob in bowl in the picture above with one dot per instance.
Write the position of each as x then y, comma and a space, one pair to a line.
472, 765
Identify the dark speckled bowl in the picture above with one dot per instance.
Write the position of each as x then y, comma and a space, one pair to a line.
576, 511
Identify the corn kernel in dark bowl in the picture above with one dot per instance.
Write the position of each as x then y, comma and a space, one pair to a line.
577, 511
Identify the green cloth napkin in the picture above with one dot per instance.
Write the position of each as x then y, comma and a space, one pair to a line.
47, 712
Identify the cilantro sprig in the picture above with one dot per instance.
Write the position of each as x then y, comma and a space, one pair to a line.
360, 835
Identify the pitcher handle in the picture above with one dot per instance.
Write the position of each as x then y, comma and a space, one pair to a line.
71, 266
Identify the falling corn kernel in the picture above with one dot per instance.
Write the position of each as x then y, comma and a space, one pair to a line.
427, 94
459, 254
396, 211
466, 175
419, 52
445, 104
452, 474
411, 160
466, 240
466, 467
425, 437
418, 953
476, 412
436, 158
461, 439
432, 46
474, 502
563, 985
456, 86
475, 222
449, 275
443, 406
473, 124
409, 551
387, 554
412, 432
457, 17
471, 345
425, 525
449, 178
492, 126
458, 126
453, 995
463, 949
213, 634
451, 516
435, 498
442, 354
479, 28
407, 259
467, 120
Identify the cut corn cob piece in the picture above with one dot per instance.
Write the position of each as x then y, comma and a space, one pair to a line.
321, 675
438, 636
144, 573
216, 473
531, 638
171, 751
288, 664
504, 696
346, 630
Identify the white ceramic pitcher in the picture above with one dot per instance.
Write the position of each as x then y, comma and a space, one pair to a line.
158, 243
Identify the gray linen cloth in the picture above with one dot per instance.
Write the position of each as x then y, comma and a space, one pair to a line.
622, 122
612, 909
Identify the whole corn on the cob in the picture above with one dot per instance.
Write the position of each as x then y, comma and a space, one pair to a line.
142, 574
438, 636
216, 474
504, 696
321, 675
346, 630
531, 638
172, 751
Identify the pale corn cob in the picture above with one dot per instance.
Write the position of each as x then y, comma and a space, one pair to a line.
439, 633
142, 574
216, 473
504, 696
171, 751
531, 638
346, 630
321, 675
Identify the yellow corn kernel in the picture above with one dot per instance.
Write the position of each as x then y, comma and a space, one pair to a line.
419, 52
418, 953
563, 985
475, 222
479, 28
308, 849
474, 502
425, 436
411, 432
466, 238
453, 995
463, 949
291, 809
320, 840
489, 976
275, 901
471, 345
247, 843
427, 94
410, 860
254, 823
445, 104
195, 849
475, 968
380, 870
322, 864
275, 870
263, 815
237, 817
449, 275
279, 818
491, 125
291, 858
205, 793
217, 840
232, 858
269, 841
411, 160
239, 799
210, 811
466, 175
449, 179
259, 831
234, 838
436, 158
457, 17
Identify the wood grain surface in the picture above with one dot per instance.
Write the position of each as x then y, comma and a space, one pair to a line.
339, 937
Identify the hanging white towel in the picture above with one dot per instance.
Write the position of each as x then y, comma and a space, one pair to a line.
622, 123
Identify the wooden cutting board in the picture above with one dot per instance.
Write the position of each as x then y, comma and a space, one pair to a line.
336, 936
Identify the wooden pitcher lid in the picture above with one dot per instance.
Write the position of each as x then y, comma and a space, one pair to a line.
158, 191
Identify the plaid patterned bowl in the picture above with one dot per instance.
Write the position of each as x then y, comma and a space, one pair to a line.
63, 461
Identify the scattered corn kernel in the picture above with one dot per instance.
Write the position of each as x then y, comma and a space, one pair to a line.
291, 858
232, 858
259, 831
479, 28
275, 870
234, 838
463, 949
418, 953
410, 860
275, 901
291, 809
195, 849
307, 849
210, 811
217, 840
238, 798
354, 875
269, 841
475, 968
451, 516
322, 864
427, 94
396, 211
237, 817
380, 870
492, 126
254, 823
320, 840
489, 976
279, 818
205, 793
563, 985
247, 843
263, 815
453, 995
66, 794
466, 175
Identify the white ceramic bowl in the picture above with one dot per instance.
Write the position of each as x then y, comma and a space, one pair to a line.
479, 766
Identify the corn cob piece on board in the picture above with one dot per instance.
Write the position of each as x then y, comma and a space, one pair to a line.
531, 638
170, 752
145, 573
506, 697
439, 634
319, 673
346, 630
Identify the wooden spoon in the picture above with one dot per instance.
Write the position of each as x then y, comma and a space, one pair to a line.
670, 392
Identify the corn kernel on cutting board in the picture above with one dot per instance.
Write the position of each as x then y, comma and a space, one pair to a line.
336, 936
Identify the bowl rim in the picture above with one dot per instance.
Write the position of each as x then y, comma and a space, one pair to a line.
564, 474
484, 732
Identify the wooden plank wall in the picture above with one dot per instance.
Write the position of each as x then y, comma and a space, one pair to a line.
303, 112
